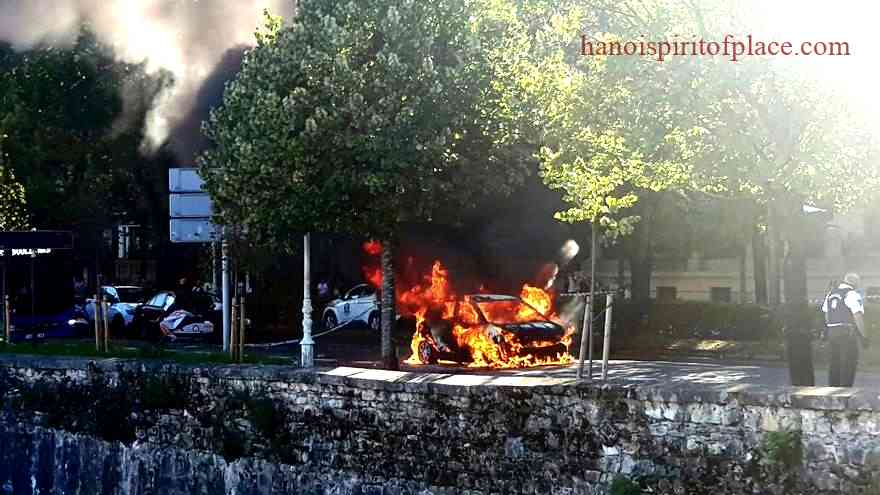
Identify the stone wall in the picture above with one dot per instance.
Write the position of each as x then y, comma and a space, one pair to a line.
75, 426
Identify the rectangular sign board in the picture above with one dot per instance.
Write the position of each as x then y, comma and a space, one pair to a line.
36, 240
193, 230
193, 205
185, 180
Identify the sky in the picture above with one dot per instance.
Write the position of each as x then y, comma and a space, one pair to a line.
853, 77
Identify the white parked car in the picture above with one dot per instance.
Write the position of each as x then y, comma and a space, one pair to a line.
123, 300
360, 304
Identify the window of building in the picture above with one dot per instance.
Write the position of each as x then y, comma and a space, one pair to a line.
667, 294
721, 294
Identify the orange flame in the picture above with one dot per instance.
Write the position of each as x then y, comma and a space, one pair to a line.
486, 344
373, 248
373, 276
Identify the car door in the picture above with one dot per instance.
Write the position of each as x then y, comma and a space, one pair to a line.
153, 310
363, 302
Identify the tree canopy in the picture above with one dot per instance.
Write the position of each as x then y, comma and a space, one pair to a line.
359, 116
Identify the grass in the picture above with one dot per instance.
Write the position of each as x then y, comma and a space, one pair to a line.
83, 349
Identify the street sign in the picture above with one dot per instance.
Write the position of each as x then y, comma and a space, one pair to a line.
191, 205
193, 230
185, 180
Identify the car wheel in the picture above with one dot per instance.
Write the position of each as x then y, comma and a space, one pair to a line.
426, 353
374, 321
330, 321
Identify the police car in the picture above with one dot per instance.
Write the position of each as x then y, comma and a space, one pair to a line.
360, 304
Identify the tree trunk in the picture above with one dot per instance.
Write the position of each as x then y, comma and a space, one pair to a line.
773, 258
640, 269
759, 255
389, 354
641, 261
795, 266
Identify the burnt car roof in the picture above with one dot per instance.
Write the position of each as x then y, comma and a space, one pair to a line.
491, 297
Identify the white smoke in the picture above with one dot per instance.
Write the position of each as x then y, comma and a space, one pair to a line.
187, 38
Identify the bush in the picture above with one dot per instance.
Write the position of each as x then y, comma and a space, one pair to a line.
707, 320
624, 486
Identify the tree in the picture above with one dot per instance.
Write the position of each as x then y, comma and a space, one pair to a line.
358, 117
794, 144
13, 207
616, 131
72, 147
626, 138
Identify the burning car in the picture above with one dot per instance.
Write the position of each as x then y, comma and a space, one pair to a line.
487, 329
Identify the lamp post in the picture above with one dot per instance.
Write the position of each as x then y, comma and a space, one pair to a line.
307, 346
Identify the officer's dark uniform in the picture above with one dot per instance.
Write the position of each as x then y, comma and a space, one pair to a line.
843, 338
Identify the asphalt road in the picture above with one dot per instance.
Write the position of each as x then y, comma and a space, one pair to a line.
704, 371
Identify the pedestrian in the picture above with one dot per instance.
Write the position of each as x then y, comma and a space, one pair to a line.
845, 329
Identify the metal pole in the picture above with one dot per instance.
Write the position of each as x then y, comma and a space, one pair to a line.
214, 278
8, 319
241, 325
307, 346
233, 344
105, 306
97, 324
5, 304
584, 338
33, 294
606, 346
587, 331
226, 296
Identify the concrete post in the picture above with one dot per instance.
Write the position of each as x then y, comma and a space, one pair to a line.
307, 346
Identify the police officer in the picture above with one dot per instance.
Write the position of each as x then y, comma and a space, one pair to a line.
845, 323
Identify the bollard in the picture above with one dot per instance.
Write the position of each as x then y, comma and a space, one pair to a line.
233, 330
7, 321
97, 324
105, 309
241, 330
606, 345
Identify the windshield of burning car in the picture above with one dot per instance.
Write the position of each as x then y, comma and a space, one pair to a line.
508, 311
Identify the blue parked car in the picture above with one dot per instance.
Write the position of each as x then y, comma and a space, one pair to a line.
67, 323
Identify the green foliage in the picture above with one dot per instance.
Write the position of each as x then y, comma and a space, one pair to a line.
147, 352
13, 206
69, 142
359, 116
624, 486
783, 449
706, 320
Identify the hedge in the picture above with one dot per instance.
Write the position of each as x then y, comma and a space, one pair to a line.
707, 320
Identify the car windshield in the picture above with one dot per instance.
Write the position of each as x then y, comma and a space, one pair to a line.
508, 311
130, 294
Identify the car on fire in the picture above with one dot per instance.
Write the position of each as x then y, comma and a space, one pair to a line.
501, 324
360, 304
